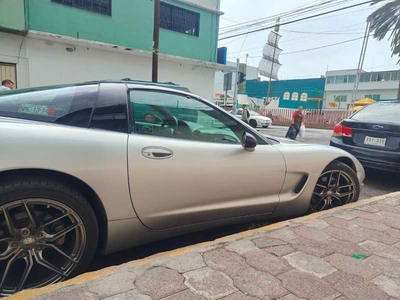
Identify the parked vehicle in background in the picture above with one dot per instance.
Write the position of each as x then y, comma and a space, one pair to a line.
255, 120
372, 135
105, 166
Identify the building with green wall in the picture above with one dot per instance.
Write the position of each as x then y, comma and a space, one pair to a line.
118, 33
308, 93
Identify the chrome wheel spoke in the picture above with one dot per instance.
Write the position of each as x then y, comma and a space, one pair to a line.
56, 236
338, 198
32, 222
338, 179
53, 221
9, 251
330, 178
29, 264
7, 269
325, 203
41, 261
319, 202
340, 195
10, 226
345, 186
339, 187
34, 254
321, 186
54, 247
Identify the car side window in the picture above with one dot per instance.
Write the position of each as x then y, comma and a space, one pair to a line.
71, 105
178, 116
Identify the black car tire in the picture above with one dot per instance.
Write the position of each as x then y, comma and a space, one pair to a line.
265, 126
253, 123
347, 176
55, 194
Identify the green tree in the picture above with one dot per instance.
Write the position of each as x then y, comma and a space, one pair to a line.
386, 21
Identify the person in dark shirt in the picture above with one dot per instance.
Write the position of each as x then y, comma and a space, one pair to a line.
297, 119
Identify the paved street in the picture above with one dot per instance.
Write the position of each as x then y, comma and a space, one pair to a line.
351, 252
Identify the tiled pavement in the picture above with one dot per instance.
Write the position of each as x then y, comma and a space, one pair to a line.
347, 253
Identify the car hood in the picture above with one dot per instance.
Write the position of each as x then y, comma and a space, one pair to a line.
301, 157
283, 140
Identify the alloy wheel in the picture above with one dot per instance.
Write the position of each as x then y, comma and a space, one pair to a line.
334, 188
41, 242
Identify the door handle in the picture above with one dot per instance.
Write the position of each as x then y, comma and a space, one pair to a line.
157, 153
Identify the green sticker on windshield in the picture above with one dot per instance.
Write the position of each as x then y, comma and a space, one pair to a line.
42, 110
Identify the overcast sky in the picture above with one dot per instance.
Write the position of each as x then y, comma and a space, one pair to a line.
350, 23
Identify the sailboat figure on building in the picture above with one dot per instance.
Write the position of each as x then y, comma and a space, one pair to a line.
269, 64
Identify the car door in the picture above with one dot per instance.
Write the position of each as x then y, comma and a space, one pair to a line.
187, 164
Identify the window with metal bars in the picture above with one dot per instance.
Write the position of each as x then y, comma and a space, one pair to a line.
98, 6
179, 19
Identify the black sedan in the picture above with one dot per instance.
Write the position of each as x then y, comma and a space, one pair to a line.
372, 135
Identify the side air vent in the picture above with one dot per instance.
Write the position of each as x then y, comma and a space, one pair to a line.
301, 184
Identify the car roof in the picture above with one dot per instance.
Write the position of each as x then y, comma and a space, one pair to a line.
168, 85
389, 101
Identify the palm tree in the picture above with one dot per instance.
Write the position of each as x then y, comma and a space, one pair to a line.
386, 20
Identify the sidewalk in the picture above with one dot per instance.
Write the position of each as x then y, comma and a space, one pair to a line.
352, 252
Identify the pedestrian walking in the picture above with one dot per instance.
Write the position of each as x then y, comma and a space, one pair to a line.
6, 85
245, 114
297, 120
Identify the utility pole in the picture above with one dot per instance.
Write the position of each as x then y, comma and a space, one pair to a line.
245, 71
360, 65
236, 86
273, 58
156, 39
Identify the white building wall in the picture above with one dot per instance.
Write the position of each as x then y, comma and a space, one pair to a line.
13, 51
330, 96
386, 89
44, 63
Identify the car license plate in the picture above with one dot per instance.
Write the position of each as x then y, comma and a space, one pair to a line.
373, 141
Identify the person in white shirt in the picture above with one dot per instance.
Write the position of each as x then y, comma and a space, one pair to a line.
6, 85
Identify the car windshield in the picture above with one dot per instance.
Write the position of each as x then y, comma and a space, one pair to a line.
379, 112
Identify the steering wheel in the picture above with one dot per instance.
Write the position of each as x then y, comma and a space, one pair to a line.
172, 123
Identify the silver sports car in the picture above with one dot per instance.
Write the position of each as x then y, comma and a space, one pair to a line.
104, 166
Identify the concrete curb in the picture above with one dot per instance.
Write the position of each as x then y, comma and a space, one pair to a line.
110, 270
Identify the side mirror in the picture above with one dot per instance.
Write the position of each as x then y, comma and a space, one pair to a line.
249, 142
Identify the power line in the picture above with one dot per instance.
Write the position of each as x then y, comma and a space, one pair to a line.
287, 15
302, 39
322, 33
230, 20
240, 38
269, 20
316, 48
324, 4
243, 44
326, 46
265, 18
298, 20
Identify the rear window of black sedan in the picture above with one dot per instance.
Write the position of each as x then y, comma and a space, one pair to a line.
384, 112
68, 105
